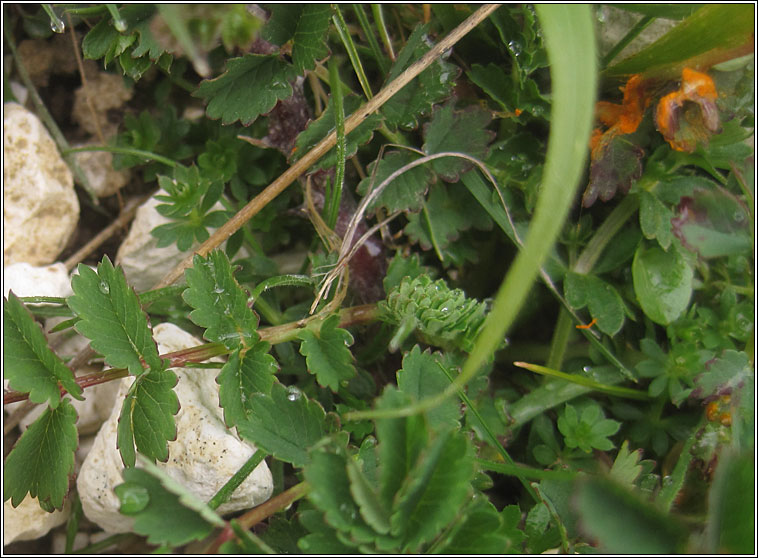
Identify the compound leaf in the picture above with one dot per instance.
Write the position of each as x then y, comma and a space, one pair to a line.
655, 219
458, 131
43, 459
326, 353
626, 467
442, 221
251, 86
112, 318
285, 424
431, 86
406, 191
28, 362
220, 304
147, 416
306, 25
485, 531
422, 377
167, 513
435, 489
244, 374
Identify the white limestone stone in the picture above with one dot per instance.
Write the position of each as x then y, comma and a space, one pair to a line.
40, 209
28, 280
145, 264
28, 521
203, 457
97, 166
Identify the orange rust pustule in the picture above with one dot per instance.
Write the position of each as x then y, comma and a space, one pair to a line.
698, 88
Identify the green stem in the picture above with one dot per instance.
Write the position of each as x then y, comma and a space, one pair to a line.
586, 382
494, 442
118, 22
381, 27
376, 50
347, 41
280, 281
56, 23
124, 151
332, 202
628, 38
605, 233
561, 335
225, 492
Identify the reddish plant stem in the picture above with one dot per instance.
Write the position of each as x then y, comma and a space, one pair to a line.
177, 359
261, 512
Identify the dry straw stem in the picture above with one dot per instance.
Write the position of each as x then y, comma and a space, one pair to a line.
291, 174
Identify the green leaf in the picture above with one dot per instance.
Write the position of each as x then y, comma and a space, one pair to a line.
662, 283
441, 316
164, 511
28, 362
42, 460
400, 441
713, 223
111, 316
422, 377
251, 86
444, 218
626, 467
285, 424
621, 523
147, 416
309, 24
589, 431
495, 82
405, 192
434, 490
326, 353
484, 530
371, 507
244, 374
220, 304
330, 489
731, 505
461, 131
325, 124
430, 87
604, 302
723, 375
655, 219
715, 26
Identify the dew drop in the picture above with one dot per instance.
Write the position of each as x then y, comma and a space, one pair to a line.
738, 216
293, 394
57, 25
104, 287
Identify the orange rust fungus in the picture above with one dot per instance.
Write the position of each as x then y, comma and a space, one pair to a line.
589, 325
697, 87
620, 119
712, 411
518, 112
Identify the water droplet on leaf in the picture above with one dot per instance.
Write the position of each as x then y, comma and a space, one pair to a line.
293, 393
104, 287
